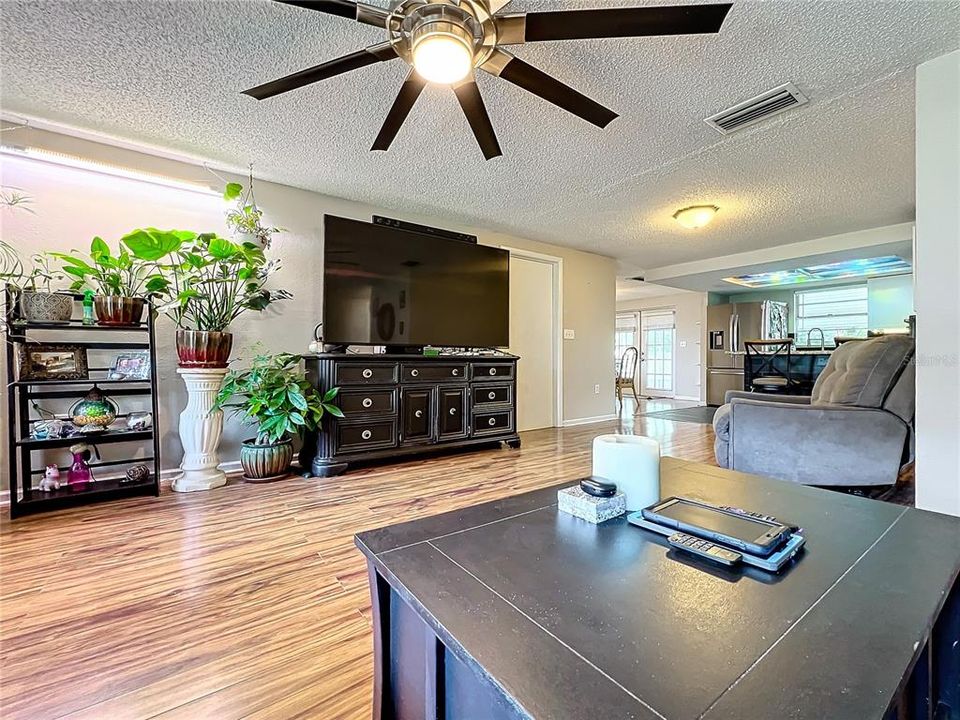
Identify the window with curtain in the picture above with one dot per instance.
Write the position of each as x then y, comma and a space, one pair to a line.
836, 311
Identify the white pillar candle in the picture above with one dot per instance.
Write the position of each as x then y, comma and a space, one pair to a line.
633, 463
200, 431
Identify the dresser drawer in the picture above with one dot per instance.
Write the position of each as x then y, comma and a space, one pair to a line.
492, 423
367, 402
365, 373
420, 372
492, 395
493, 371
366, 435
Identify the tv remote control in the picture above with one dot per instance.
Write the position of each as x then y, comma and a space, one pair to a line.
704, 548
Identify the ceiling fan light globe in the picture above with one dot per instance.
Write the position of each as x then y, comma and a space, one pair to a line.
443, 59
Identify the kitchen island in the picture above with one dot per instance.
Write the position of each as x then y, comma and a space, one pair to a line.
513, 610
805, 367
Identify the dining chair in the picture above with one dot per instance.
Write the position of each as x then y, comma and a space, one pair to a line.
627, 376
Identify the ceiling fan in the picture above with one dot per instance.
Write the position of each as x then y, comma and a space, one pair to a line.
444, 41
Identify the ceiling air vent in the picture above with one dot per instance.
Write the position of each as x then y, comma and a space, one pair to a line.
754, 110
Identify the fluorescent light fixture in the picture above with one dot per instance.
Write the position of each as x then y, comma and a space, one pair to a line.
846, 270
79, 163
696, 216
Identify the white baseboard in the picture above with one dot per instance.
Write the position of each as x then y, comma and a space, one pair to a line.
166, 477
689, 398
589, 420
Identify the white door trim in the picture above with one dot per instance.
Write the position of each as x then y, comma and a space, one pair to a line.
557, 265
673, 355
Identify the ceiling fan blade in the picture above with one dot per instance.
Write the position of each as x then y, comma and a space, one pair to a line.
353, 61
513, 69
612, 23
407, 97
361, 12
468, 94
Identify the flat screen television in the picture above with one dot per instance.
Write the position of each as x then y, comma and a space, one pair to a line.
387, 286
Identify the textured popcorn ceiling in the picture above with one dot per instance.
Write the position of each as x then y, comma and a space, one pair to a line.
170, 72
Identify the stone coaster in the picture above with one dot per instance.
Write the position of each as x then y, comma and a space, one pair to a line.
576, 502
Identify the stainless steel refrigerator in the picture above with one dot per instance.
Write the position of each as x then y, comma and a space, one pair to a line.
728, 327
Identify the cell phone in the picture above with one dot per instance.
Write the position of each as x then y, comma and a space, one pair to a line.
750, 534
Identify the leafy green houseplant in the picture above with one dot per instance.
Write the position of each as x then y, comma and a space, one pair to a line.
245, 219
209, 282
125, 280
273, 395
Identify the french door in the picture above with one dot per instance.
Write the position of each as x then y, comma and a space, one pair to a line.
657, 352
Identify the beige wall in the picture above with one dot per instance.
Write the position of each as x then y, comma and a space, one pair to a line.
691, 328
71, 206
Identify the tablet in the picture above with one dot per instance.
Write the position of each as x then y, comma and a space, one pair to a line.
744, 532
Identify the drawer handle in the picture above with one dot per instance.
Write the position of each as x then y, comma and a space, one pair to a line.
418, 413
493, 371
492, 396
414, 373
367, 402
453, 411
456, 372
366, 434
491, 422
368, 373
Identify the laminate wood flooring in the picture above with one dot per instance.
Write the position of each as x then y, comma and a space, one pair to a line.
249, 601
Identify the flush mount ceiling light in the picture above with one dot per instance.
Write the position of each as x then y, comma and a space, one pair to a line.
696, 216
444, 41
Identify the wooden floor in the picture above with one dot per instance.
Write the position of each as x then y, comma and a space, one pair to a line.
249, 601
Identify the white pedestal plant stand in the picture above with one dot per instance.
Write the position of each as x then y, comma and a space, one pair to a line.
200, 431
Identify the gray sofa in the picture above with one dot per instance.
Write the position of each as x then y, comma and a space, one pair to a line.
856, 429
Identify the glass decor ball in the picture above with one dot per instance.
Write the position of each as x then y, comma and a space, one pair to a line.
95, 409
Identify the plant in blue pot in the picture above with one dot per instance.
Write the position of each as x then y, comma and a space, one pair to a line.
274, 395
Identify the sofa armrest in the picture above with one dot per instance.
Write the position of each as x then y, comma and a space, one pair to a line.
844, 446
763, 397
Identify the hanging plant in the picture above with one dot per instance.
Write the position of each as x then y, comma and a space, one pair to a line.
245, 220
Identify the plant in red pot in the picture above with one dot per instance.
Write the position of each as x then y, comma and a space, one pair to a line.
274, 395
212, 281
123, 282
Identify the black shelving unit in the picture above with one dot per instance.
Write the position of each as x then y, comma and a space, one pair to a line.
25, 497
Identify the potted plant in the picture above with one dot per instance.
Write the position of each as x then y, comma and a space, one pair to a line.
123, 282
245, 219
210, 282
39, 302
273, 395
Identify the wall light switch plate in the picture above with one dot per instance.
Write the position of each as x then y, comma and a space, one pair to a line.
596, 389
683, 343
569, 335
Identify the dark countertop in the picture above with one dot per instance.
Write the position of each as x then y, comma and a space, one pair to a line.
572, 620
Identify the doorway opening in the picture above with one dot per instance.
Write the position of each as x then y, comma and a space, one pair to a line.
658, 337
536, 336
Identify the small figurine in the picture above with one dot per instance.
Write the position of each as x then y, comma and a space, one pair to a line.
51, 479
138, 421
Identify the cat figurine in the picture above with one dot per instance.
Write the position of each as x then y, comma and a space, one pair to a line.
51, 479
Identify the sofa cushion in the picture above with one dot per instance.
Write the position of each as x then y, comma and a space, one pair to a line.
862, 373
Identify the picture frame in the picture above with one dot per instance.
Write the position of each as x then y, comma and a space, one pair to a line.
132, 365
52, 361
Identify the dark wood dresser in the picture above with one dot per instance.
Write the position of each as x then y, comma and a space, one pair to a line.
398, 405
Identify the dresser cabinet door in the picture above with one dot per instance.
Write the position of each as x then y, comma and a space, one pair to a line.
416, 407
452, 419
